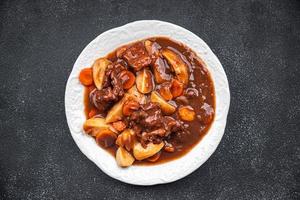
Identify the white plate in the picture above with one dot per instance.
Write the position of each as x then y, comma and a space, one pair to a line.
156, 174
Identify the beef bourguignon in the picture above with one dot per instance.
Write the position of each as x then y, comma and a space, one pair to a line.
150, 101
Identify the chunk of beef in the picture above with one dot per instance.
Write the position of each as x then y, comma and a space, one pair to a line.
154, 116
116, 67
150, 125
173, 125
102, 99
112, 90
137, 56
153, 136
117, 85
206, 113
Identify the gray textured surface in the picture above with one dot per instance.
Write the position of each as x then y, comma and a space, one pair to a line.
258, 43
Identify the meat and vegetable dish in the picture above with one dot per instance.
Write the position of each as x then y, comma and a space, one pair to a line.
150, 101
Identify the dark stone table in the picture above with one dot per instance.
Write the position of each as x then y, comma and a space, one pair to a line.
258, 43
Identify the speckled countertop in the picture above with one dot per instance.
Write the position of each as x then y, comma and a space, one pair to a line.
258, 43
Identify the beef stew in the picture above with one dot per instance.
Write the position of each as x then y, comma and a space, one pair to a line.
148, 102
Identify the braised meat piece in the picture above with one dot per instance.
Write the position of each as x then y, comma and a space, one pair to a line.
102, 99
156, 127
137, 56
116, 67
113, 88
117, 85
154, 116
153, 136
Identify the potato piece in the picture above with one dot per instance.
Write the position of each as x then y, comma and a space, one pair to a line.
141, 153
180, 68
186, 113
98, 123
93, 126
116, 112
165, 106
148, 46
144, 81
106, 138
126, 139
99, 68
124, 158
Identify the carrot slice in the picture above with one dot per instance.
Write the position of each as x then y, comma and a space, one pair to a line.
86, 76
130, 106
176, 88
119, 125
127, 78
165, 91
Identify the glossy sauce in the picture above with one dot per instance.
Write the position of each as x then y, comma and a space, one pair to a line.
200, 80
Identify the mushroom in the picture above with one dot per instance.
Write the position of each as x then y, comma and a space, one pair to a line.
144, 81
160, 70
178, 65
99, 68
